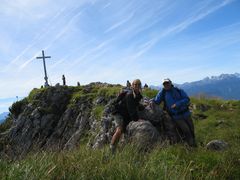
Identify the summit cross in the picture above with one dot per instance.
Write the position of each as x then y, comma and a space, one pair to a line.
44, 65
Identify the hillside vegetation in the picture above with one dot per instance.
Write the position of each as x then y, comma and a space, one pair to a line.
213, 119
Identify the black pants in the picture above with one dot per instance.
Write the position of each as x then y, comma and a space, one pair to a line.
185, 129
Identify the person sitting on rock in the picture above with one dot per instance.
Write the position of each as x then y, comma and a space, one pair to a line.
176, 103
126, 111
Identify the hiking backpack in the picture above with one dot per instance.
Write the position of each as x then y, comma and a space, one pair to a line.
114, 104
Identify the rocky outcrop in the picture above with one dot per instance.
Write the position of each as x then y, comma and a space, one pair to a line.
51, 118
155, 128
61, 117
33, 127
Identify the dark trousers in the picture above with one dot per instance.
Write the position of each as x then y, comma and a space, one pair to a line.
185, 129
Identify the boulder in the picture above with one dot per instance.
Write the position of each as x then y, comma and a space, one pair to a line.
154, 115
142, 134
217, 145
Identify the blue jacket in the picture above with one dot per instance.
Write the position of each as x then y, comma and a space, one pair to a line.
174, 96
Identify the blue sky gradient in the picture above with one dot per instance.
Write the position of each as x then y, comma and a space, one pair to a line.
115, 41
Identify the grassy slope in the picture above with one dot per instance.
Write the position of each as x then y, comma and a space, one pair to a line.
174, 162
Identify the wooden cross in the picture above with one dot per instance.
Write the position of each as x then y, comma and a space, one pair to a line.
44, 65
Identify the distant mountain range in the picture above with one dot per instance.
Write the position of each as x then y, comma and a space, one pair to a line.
3, 116
225, 86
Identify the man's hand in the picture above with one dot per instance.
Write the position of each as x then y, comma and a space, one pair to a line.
173, 106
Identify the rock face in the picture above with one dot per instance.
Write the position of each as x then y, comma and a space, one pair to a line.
61, 117
49, 118
36, 125
217, 145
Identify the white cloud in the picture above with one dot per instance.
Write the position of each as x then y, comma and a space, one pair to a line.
21, 67
181, 26
28, 8
59, 21
106, 5
120, 23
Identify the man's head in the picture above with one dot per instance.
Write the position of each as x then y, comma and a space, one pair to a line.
137, 85
167, 84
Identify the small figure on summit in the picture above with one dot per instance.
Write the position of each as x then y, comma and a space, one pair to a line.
64, 80
145, 86
128, 85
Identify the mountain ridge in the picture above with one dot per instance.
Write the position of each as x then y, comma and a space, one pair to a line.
224, 86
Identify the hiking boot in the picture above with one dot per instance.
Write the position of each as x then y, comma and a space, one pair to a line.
112, 148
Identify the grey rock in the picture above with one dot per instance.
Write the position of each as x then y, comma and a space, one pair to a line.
143, 134
154, 115
194, 106
199, 116
100, 141
57, 85
36, 113
220, 123
73, 142
87, 89
217, 145
203, 107
100, 100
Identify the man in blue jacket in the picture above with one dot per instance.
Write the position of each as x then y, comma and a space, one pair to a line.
176, 103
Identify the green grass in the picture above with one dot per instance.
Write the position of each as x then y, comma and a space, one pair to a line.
149, 93
98, 111
34, 93
173, 162
109, 91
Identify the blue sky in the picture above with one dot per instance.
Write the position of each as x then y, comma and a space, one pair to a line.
114, 41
